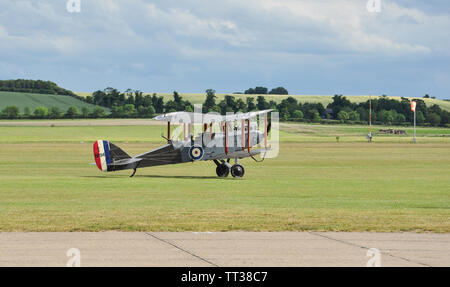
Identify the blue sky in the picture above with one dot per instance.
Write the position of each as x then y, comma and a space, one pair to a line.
309, 47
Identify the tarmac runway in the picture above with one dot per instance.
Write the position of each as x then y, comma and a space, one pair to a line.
224, 249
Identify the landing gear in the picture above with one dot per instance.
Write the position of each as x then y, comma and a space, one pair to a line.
224, 167
222, 170
237, 170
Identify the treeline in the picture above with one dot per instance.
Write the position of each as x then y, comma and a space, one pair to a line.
13, 112
34, 87
264, 91
134, 104
340, 110
387, 111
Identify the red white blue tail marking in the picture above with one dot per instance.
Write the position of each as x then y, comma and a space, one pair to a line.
102, 155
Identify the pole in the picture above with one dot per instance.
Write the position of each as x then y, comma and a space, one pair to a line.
414, 126
370, 119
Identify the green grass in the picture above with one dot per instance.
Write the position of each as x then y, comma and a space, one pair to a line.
46, 183
199, 98
33, 101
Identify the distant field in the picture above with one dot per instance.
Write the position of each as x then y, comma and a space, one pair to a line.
33, 101
316, 183
323, 99
144, 130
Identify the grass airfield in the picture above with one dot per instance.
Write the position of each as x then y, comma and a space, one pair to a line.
316, 183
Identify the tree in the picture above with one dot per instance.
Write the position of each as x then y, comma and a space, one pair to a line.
72, 112
284, 114
311, 114
261, 103
89, 99
176, 97
230, 103
399, 119
138, 98
129, 110
386, 117
342, 116
85, 112
298, 115
316, 117
251, 104
146, 112
130, 99
55, 113
11, 112
241, 105
445, 118
35, 86
434, 119
98, 112
125, 111
339, 103
40, 112
158, 103
216, 109
257, 90
279, 91
353, 116
27, 112
210, 101
363, 114
420, 119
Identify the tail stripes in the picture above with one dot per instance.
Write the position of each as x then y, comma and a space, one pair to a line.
102, 155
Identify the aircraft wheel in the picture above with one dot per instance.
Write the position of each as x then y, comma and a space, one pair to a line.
237, 170
222, 170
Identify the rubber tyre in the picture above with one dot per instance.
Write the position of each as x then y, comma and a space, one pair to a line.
237, 170
222, 170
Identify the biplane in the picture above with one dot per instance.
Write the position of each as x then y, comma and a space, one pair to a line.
221, 138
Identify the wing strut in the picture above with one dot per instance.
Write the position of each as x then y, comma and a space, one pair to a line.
265, 131
226, 137
211, 130
248, 135
243, 134
168, 132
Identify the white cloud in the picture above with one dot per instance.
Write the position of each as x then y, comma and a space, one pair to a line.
266, 25
165, 38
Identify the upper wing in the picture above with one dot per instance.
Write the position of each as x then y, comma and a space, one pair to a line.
190, 117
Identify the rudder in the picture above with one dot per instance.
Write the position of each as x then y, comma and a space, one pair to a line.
106, 153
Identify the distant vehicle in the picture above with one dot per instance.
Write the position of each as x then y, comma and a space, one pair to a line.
235, 140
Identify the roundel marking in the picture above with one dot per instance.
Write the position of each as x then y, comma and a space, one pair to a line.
196, 152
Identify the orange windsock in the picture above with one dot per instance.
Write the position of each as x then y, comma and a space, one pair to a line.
413, 106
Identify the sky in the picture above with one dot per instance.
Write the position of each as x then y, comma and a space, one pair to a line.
312, 47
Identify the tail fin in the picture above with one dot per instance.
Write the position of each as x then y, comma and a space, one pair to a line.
105, 153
